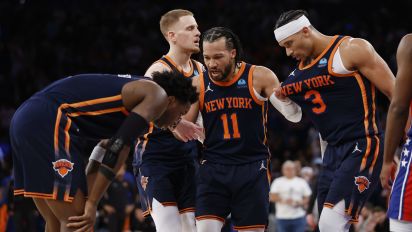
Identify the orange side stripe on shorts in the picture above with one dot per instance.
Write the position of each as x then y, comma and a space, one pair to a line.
375, 156
328, 205
249, 227
212, 217
67, 136
76, 105
97, 112
191, 209
168, 203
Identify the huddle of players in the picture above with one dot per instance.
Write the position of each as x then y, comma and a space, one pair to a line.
334, 84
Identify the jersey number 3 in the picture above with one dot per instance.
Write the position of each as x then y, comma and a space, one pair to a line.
226, 133
317, 100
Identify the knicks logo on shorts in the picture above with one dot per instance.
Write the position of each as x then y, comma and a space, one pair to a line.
63, 167
362, 183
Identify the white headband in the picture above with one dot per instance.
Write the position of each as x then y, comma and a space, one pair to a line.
291, 28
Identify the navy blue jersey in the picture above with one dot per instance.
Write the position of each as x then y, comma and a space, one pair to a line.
92, 101
234, 119
160, 146
341, 106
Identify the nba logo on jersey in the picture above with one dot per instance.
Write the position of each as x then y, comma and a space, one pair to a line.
63, 167
322, 63
241, 83
362, 183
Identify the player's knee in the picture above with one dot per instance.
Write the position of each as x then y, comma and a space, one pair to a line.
188, 222
331, 220
209, 225
164, 216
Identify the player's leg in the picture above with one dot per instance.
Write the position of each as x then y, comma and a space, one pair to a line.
52, 223
209, 225
213, 196
334, 219
166, 217
354, 180
159, 193
250, 204
188, 221
63, 210
185, 182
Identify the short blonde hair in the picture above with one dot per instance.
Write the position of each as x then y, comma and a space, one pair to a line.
170, 18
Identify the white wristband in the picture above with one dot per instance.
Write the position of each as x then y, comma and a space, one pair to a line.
97, 154
289, 109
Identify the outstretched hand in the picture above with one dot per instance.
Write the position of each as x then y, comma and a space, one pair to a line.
186, 131
86, 221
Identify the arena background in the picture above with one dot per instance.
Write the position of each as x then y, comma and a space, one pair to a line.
42, 41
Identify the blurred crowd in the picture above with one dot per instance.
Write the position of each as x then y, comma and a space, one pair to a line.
41, 41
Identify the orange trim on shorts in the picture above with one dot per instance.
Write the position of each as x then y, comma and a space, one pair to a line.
210, 217
320, 56
202, 91
186, 74
249, 227
328, 205
81, 104
234, 79
169, 203
67, 136
375, 156
185, 210
46, 196
250, 84
4, 217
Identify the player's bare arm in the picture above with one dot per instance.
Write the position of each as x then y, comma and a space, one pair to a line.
265, 82
145, 99
359, 54
399, 107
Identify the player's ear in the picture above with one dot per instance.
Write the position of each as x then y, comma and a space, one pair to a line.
233, 53
171, 36
171, 100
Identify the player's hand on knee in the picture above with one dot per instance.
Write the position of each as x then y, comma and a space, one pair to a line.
186, 131
86, 221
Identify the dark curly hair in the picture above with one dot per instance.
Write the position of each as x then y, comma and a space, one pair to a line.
177, 85
289, 16
232, 40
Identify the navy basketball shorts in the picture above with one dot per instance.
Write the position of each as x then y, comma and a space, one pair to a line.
350, 172
239, 190
46, 152
169, 186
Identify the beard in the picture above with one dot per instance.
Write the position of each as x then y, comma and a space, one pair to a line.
226, 71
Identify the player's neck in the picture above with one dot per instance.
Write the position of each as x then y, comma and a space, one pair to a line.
233, 73
181, 58
320, 43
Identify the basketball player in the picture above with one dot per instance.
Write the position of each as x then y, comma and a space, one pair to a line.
166, 168
48, 131
400, 205
335, 85
234, 174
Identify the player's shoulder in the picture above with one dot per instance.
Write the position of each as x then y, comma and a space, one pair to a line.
157, 66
